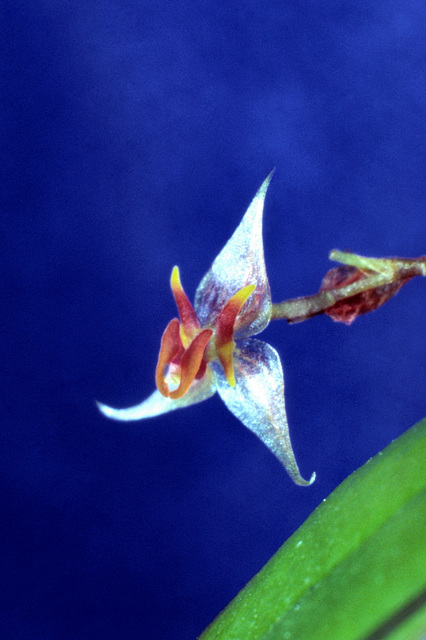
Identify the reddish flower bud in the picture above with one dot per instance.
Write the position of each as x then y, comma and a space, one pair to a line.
348, 309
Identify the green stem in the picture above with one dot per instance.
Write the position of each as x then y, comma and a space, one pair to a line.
299, 309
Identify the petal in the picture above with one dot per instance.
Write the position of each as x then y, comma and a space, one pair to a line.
258, 400
240, 263
171, 345
187, 314
190, 363
224, 342
156, 404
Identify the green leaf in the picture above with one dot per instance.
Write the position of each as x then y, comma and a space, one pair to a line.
355, 570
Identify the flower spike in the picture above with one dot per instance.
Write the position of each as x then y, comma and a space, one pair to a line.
358, 286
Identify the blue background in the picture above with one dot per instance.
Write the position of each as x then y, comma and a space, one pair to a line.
135, 134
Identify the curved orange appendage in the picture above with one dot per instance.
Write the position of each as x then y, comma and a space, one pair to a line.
191, 363
224, 342
171, 346
188, 317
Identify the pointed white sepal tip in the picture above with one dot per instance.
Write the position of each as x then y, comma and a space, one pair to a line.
297, 479
261, 193
107, 411
312, 480
268, 179
125, 415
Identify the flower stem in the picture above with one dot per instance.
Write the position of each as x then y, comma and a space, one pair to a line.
373, 275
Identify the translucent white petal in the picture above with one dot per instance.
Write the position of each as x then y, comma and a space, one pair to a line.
240, 263
156, 404
258, 399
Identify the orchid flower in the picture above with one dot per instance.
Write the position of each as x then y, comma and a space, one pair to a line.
210, 347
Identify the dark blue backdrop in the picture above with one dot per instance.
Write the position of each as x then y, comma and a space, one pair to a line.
137, 132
